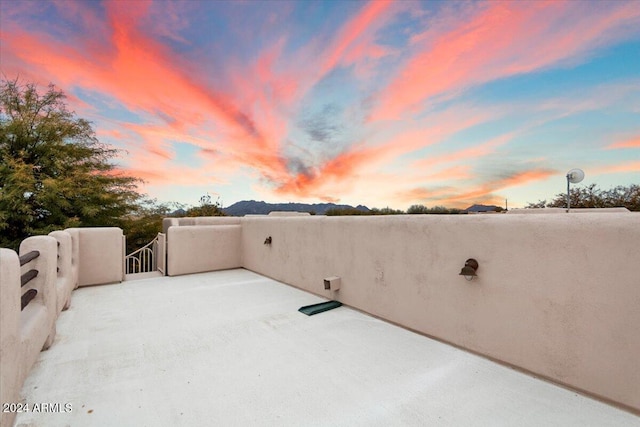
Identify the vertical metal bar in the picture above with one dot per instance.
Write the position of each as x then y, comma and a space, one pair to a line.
154, 258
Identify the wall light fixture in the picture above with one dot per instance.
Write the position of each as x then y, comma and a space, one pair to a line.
469, 269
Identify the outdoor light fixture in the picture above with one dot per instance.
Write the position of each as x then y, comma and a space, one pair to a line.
574, 176
469, 269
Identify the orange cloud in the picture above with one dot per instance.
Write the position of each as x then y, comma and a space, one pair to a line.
630, 143
367, 157
539, 34
484, 193
333, 171
244, 118
473, 152
147, 78
352, 30
249, 127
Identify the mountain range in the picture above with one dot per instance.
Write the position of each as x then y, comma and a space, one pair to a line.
253, 207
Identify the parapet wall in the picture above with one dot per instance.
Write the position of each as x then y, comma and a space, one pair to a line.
555, 295
63, 260
200, 220
199, 248
100, 255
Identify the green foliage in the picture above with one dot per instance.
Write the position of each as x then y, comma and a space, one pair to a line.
144, 224
354, 211
206, 208
54, 173
593, 197
345, 211
421, 209
386, 211
417, 209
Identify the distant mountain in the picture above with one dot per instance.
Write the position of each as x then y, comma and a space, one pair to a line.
253, 207
178, 213
483, 208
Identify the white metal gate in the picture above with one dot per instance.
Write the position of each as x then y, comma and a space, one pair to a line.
150, 257
161, 252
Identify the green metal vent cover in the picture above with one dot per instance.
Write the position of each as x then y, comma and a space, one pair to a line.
310, 310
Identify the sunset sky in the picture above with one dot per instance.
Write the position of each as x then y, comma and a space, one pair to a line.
377, 103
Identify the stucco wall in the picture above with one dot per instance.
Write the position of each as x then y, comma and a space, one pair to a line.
100, 255
38, 319
199, 248
564, 211
23, 334
65, 277
201, 220
10, 356
556, 295
80, 256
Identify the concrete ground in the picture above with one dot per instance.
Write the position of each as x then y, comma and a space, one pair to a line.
229, 348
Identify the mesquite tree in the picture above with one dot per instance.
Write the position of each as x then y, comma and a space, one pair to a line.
54, 173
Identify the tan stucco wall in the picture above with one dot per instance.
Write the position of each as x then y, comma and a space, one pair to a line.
202, 220
75, 254
199, 248
564, 210
67, 258
100, 255
65, 277
23, 334
556, 295
288, 213
38, 318
10, 292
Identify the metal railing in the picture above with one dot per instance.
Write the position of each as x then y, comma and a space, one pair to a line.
161, 254
28, 296
142, 260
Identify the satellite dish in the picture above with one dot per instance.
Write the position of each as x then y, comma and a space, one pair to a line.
575, 176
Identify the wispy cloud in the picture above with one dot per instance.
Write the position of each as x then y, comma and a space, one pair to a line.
502, 39
374, 99
486, 192
354, 42
628, 143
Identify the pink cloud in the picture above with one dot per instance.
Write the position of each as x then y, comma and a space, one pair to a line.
540, 34
625, 167
351, 31
367, 157
318, 181
243, 118
483, 193
247, 121
472, 152
629, 143
146, 77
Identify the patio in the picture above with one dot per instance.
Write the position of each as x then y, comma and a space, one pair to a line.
230, 348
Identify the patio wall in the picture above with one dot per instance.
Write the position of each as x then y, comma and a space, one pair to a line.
200, 248
67, 259
100, 255
556, 295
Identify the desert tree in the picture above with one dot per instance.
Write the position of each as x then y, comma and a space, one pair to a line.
54, 173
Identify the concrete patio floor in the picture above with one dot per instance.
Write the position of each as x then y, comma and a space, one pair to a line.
229, 348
